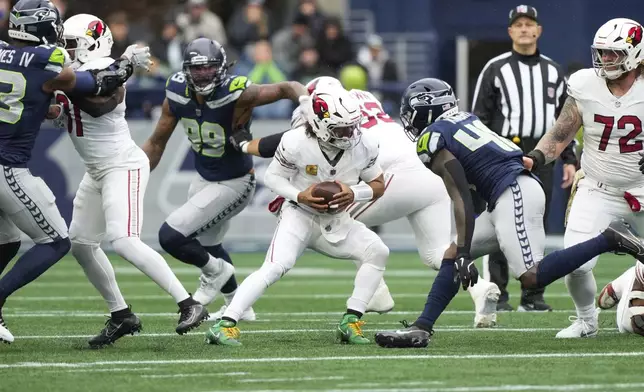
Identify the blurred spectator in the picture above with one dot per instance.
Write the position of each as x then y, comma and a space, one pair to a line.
169, 48
62, 7
288, 42
309, 66
248, 25
375, 58
264, 70
118, 23
200, 22
309, 8
333, 46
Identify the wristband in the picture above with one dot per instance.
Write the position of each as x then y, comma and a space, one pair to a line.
538, 159
244, 146
362, 192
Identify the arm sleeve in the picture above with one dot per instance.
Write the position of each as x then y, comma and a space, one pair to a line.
485, 96
268, 145
279, 172
372, 170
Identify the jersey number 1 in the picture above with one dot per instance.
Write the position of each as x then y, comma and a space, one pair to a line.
73, 114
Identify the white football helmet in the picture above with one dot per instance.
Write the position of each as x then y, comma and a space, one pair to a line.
335, 116
87, 38
322, 81
617, 48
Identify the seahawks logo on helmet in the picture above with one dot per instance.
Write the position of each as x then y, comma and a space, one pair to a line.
421, 99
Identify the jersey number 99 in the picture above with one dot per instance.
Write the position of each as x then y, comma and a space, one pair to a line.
13, 86
207, 139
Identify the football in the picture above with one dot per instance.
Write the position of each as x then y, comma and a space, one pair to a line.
326, 190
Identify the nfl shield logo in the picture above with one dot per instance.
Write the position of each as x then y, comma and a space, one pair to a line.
551, 92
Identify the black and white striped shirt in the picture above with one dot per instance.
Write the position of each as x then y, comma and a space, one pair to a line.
519, 95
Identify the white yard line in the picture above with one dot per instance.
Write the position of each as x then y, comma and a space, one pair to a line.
490, 388
312, 330
306, 315
291, 379
182, 375
567, 355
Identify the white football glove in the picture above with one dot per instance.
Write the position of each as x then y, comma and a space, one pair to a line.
139, 56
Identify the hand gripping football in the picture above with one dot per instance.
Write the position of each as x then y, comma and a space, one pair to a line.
326, 190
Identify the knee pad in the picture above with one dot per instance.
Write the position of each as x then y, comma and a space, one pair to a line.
170, 239
272, 272
376, 254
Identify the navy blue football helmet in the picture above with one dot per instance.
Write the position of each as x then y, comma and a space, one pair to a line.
36, 22
423, 102
205, 66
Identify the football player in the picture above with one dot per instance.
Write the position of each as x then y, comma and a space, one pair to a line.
413, 192
330, 147
32, 67
627, 293
116, 179
211, 105
459, 148
607, 100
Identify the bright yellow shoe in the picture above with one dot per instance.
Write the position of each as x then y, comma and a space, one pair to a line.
223, 333
350, 330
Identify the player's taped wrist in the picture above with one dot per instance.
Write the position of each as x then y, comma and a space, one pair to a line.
244, 146
362, 192
538, 159
463, 251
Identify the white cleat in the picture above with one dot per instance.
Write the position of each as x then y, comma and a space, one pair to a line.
5, 335
248, 315
581, 328
607, 298
485, 304
381, 302
210, 285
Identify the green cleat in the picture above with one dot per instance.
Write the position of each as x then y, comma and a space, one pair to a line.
349, 331
223, 333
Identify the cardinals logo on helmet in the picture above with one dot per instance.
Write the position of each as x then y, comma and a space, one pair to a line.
634, 35
96, 29
320, 108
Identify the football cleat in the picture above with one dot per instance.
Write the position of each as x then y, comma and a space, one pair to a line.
381, 302
410, 336
191, 317
537, 305
5, 335
248, 315
349, 330
485, 303
607, 298
223, 333
504, 306
116, 329
581, 328
211, 284
621, 235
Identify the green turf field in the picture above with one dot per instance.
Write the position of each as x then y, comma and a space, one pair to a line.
291, 346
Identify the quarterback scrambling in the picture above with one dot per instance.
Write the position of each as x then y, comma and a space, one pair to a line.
211, 105
608, 101
109, 201
329, 147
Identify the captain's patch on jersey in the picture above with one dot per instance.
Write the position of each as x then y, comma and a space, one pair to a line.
312, 170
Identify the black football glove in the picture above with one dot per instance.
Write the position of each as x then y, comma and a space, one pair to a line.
240, 137
108, 80
466, 270
641, 163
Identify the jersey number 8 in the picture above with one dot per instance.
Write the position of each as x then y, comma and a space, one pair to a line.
12, 90
207, 139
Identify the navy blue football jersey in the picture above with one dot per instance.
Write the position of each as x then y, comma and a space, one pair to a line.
23, 103
208, 126
491, 162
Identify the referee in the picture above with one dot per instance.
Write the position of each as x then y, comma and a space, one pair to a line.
518, 95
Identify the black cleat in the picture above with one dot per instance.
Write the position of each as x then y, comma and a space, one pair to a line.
409, 337
504, 307
622, 236
536, 305
116, 329
191, 317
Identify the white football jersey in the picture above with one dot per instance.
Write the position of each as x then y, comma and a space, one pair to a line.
612, 129
397, 151
300, 157
101, 142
